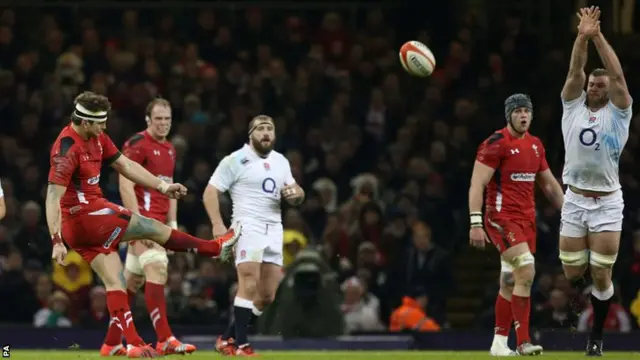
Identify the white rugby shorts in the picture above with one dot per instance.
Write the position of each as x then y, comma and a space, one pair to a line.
259, 242
582, 215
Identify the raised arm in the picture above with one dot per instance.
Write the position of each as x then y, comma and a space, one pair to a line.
588, 27
618, 92
576, 77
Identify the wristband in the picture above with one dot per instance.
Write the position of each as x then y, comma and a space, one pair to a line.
163, 187
173, 225
475, 219
56, 239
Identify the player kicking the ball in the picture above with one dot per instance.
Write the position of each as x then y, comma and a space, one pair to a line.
595, 128
507, 165
257, 179
79, 216
147, 260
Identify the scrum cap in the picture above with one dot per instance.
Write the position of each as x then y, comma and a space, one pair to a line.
516, 101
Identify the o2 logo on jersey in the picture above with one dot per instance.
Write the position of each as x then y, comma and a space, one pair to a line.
269, 186
94, 180
589, 138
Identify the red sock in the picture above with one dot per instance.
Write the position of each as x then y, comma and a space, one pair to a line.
157, 306
521, 308
504, 316
114, 333
118, 305
179, 241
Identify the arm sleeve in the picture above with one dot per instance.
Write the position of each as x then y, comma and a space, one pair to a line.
225, 175
621, 118
62, 167
1, 192
110, 152
134, 151
490, 154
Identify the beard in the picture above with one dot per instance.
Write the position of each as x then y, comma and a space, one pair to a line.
261, 148
597, 101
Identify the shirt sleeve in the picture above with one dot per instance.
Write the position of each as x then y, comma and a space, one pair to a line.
110, 152
490, 154
225, 175
1, 191
63, 165
134, 150
621, 118
572, 104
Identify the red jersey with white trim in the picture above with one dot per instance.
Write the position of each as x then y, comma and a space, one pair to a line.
511, 191
76, 163
159, 158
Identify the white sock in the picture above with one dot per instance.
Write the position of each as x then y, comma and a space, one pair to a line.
603, 295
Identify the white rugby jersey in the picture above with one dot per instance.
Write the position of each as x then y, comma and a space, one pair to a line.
593, 144
254, 183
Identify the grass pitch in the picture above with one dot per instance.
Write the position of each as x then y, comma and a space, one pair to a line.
321, 355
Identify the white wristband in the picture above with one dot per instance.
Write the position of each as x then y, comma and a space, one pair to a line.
475, 219
173, 225
162, 187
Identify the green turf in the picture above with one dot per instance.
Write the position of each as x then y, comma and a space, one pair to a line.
322, 355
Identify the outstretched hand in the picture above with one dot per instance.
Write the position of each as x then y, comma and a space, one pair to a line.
589, 21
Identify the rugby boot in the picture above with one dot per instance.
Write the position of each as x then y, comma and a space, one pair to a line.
113, 350
501, 349
245, 350
594, 348
528, 349
174, 346
142, 352
225, 347
228, 241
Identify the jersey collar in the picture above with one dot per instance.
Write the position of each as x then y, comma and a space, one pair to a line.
254, 154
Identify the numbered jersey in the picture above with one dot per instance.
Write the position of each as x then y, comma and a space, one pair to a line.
76, 164
254, 183
159, 158
593, 143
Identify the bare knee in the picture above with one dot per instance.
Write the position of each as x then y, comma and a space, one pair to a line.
141, 227
265, 300
156, 273
573, 273
109, 269
507, 282
524, 275
134, 281
248, 283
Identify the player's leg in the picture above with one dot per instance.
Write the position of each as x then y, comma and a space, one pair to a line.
134, 278
574, 252
110, 271
154, 262
141, 228
503, 313
605, 226
523, 263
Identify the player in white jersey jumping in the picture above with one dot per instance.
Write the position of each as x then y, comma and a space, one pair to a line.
257, 178
595, 128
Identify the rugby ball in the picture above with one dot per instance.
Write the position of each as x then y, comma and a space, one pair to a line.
417, 59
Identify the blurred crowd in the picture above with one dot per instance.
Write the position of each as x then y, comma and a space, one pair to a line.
385, 159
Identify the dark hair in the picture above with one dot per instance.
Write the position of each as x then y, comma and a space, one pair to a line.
92, 102
156, 102
599, 72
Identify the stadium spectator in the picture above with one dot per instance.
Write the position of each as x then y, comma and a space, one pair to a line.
53, 315
411, 315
